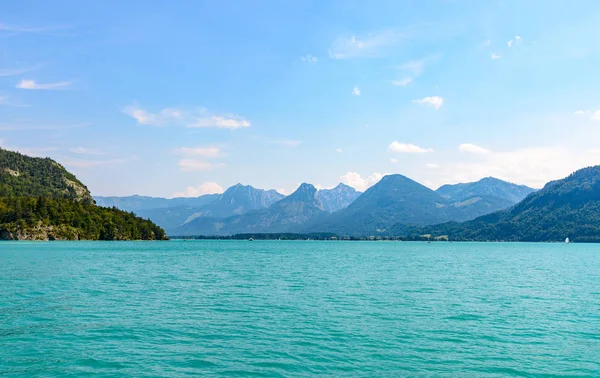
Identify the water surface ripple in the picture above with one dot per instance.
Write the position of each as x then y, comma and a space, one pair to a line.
289, 309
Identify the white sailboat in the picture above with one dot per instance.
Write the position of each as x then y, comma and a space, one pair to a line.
567, 240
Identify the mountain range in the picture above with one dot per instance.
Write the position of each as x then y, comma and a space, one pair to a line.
343, 210
398, 199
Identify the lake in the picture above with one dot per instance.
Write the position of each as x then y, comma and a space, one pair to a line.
299, 308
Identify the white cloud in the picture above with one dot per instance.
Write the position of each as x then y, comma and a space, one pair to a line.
85, 151
372, 45
229, 122
207, 152
533, 166
189, 165
309, 59
31, 84
339, 150
495, 56
517, 39
180, 117
144, 117
356, 91
200, 190
435, 101
407, 148
432, 166
393, 160
359, 183
579, 112
596, 115
473, 149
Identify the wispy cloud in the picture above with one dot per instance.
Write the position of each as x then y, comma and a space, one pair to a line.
579, 112
224, 122
596, 115
188, 118
207, 152
309, 59
407, 148
393, 160
33, 151
495, 56
31, 127
16, 71
190, 165
356, 91
85, 151
434, 101
339, 150
200, 190
77, 163
402, 82
161, 118
412, 70
286, 142
372, 45
32, 84
5, 100
432, 165
473, 149
14, 30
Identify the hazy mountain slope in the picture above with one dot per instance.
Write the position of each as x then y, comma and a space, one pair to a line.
337, 198
564, 208
136, 203
240, 199
487, 187
288, 214
395, 198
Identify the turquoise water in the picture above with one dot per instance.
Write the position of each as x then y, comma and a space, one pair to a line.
238, 308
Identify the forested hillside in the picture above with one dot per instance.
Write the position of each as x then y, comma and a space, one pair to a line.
41, 200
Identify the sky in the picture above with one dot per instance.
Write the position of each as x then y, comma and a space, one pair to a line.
189, 97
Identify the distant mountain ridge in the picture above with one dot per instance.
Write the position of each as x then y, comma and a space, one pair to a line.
563, 208
398, 199
287, 214
337, 198
135, 202
240, 199
395, 199
488, 186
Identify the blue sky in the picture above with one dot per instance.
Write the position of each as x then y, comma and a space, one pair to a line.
189, 97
